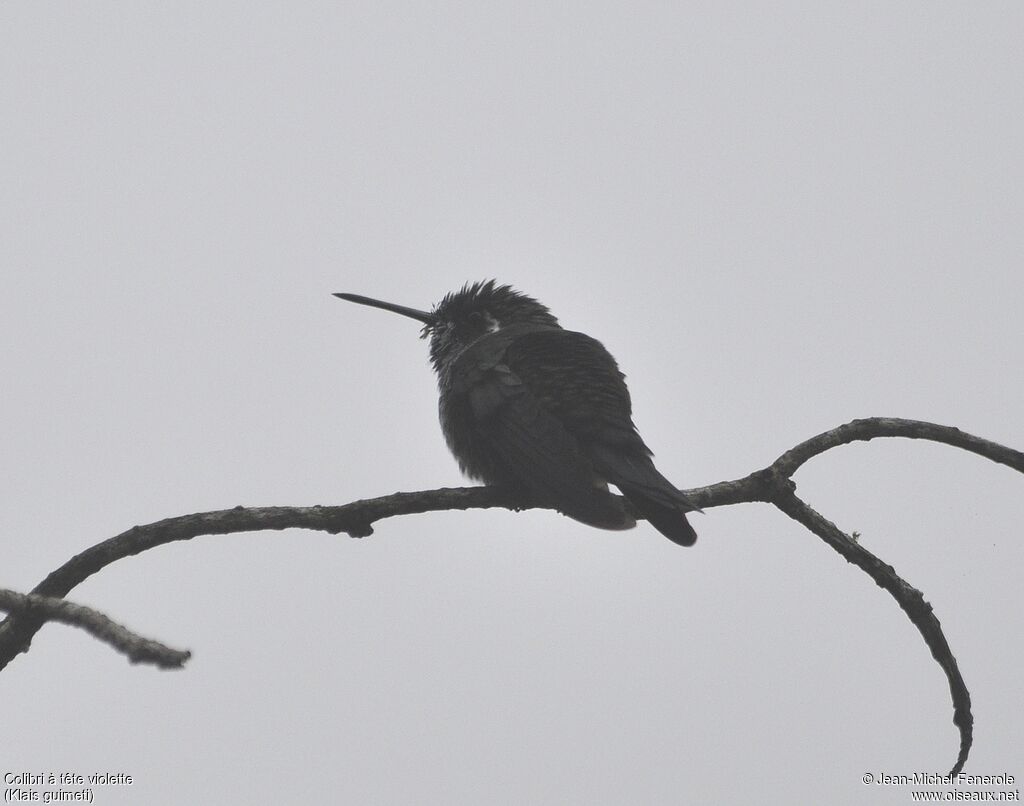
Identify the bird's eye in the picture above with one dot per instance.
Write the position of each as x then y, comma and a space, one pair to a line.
476, 318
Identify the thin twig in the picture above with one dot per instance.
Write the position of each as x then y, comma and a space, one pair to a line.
137, 648
910, 599
874, 427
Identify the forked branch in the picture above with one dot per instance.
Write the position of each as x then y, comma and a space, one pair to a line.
772, 485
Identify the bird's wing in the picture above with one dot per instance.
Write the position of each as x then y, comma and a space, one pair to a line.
577, 380
551, 408
530, 443
521, 429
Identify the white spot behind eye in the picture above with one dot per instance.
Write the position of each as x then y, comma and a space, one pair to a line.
493, 325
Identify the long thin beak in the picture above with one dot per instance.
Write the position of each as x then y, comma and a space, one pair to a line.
412, 313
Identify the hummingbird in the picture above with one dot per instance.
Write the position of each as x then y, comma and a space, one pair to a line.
541, 411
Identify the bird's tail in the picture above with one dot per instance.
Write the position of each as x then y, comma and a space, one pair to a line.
652, 495
669, 520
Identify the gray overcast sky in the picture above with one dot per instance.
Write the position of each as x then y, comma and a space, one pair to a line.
778, 217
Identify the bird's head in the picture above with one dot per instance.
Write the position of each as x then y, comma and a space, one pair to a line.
466, 315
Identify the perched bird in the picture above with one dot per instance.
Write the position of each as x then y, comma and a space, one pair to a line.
541, 411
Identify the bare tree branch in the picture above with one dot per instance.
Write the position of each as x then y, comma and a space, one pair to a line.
771, 485
909, 599
873, 427
137, 648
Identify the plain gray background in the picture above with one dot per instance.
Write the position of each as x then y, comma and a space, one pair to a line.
778, 217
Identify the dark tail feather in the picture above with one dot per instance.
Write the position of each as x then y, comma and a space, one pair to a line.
652, 495
670, 521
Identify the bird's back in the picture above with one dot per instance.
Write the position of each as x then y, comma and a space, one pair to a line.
546, 411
